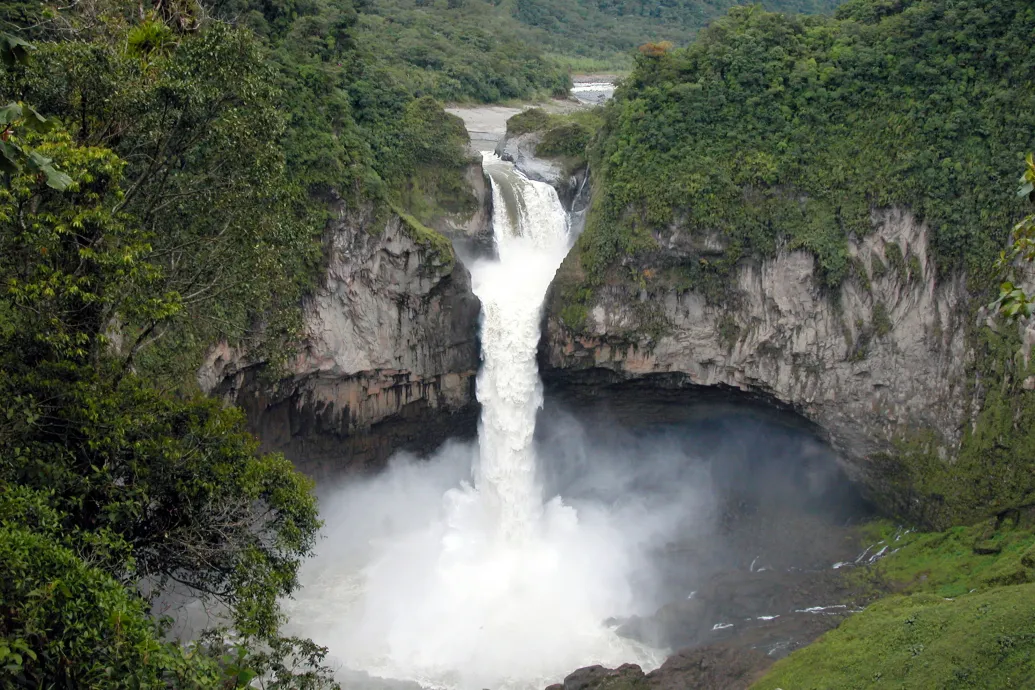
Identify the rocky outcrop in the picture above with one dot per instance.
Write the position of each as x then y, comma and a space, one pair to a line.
715, 668
885, 355
471, 233
569, 178
388, 359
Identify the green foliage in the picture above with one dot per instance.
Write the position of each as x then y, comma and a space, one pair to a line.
1013, 302
197, 122
465, 51
570, 139
530, 120
439, 249
966, 621
922, 641
108, 482
120, 456
896, 260
566, 137
775, 130
15, 157
604, 29
364, 122
858, 272
574, 314
916, 271
880, 320
68, 622
729, 331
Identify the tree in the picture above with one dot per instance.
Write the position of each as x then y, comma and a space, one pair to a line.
17, 117
1014, 302
112, 489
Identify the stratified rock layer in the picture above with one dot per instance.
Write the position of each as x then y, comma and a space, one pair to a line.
388, 360
886, 353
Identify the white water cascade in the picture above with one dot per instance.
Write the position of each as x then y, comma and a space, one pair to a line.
531, 231
483, 584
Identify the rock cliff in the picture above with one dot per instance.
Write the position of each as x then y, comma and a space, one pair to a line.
568, 177
389, 355
885, 354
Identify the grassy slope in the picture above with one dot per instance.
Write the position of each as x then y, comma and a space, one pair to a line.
964, 618
923, 641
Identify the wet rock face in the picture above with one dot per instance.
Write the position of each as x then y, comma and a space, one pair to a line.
718, 667
884, 356
388, 360
521, 151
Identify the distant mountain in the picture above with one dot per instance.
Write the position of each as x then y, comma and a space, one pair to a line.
583, 34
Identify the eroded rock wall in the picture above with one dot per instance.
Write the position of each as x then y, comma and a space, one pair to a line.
388, 359
887, 352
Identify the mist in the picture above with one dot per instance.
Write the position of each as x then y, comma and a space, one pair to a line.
410, 583
550, 542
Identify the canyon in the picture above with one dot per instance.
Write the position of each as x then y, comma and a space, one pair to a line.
391, 346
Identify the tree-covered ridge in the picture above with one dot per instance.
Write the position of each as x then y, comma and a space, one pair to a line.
236, 132
462, 51
604, 29
774, 129
113, 491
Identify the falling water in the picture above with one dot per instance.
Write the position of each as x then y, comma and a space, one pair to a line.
487, 586
531, 231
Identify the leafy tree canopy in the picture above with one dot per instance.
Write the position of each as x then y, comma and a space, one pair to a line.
773, 129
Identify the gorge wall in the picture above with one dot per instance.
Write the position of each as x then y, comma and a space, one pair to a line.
389, 354
900, 367
887, 353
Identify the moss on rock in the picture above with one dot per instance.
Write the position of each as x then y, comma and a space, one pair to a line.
438, 247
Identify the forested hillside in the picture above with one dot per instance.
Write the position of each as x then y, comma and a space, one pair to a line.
167, 176
773, 133
486, 49
610, 30
773, 128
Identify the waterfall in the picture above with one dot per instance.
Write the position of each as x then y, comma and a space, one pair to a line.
463, 585
531, 231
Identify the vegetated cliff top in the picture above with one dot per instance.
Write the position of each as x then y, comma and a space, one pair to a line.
772, 128
773, 132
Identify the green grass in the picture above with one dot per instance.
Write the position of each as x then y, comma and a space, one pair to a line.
953, 562
962, 616
984, 640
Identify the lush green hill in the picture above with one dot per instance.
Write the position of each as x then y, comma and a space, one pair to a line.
781, 131
922, 103
609, 30
961, 616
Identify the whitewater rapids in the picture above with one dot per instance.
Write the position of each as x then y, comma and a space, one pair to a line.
456, 573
